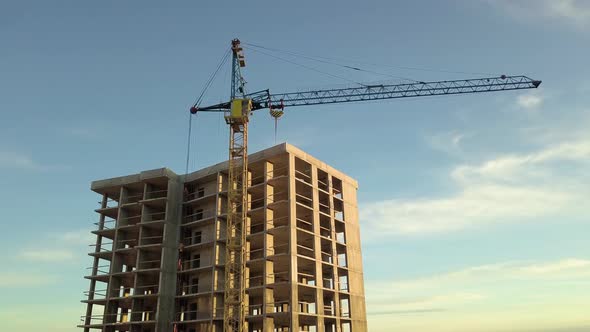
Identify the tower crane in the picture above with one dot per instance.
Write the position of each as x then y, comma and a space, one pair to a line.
237, 115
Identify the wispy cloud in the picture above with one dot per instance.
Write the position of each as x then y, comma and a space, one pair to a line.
59, 247
86, 131
508, 188
46, 255
25, 279
22, 161
571, 264
10, 159
529, 102
75, 237
447, 142
392, 300
572, 12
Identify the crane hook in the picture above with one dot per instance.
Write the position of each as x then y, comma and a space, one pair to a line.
276, 113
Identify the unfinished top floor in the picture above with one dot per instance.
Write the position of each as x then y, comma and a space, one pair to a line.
154, 183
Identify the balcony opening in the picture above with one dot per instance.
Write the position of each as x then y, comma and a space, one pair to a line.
194, 289
256, 171
199, 214
124, 291
256, 199
326, 251
255, 306
338, 210
346, 327
256, 277
304, 218
340, 233
327, 277
325, 226
302, 170
256, 227
197, 237
343, 282
344, 306
306, 272
323, 181
329, 304
195, 261
342, 260
307, 301
337, 188
192, 314
330, 324
305, 244
156, 190
304, 194
132, 195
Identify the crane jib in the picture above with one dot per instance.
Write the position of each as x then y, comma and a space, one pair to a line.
374, 92
263, 99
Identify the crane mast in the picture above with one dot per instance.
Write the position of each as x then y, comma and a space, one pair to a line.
237, 112
235, 299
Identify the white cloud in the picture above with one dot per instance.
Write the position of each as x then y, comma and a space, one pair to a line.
509, 188
557, 126
479, 204
516, 167
46, 255
502, 294
568, 268
470, 284
529, 101
575, 12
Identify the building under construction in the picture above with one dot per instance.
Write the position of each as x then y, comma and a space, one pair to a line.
158, 261
267, 242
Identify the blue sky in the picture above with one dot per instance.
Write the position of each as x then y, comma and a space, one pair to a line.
474, 209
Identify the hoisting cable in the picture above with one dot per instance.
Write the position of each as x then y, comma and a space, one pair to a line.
188, 144
212, 77
369, 63
317, 59
198, 102
276, 125
306, 67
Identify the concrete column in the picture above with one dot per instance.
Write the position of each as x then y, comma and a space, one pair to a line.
96, 260
354, 259
317, 250
165, 308
293, 304
334, 256
110, 307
